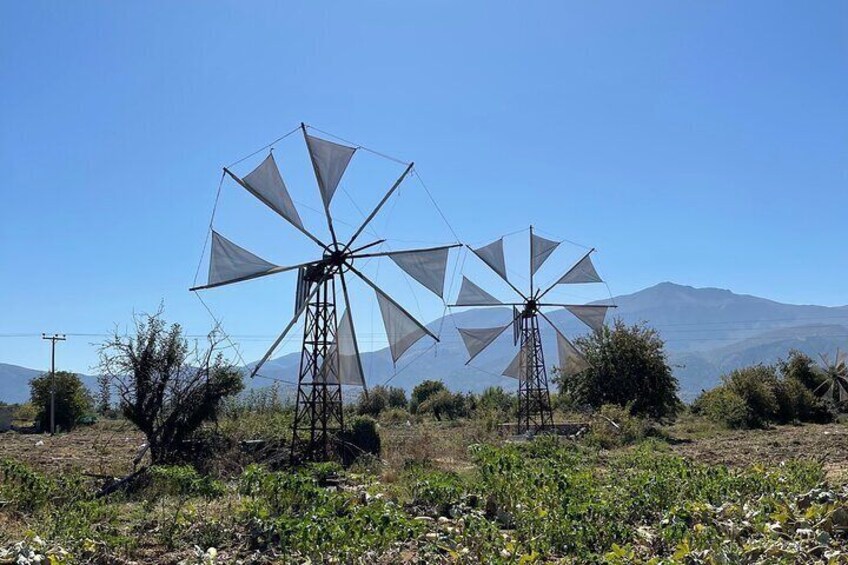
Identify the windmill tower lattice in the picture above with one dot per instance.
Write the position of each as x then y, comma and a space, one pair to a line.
534, 402
330, 352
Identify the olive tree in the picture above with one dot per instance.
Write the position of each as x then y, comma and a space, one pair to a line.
166, 387
627, 367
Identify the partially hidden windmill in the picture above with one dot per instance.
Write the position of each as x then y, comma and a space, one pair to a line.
330, 352
534, 402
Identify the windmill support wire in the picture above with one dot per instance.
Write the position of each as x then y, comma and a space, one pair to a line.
534, 399
318, 418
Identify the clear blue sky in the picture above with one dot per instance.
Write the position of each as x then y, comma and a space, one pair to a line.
700, 142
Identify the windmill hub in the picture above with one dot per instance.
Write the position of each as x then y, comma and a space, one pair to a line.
530, 308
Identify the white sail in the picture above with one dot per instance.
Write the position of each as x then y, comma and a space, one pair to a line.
266, 184
493, 256
472, 295
426, 266
477, 339
402, 330
230, 263
571, 361
329, 160
540, 250
582, 272
591, 315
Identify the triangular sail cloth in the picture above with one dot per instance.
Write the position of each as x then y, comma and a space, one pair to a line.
472, 295
540, 250
343, 352
582, 272
591, 315
571, 361
402, 330
229, 262
477, 339
266, 184
493, 256
514, 369
427, 267
329, 160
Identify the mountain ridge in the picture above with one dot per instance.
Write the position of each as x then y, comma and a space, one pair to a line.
708, 332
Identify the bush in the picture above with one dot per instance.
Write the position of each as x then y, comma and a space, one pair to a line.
380, 398
424, 391
72, 400
444, 404
723, 406
627, 367
359, 438
614, 426
395, 416
754, 397
167, 388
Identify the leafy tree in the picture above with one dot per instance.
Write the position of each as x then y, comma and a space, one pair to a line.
166, 388
756, 396
444, 404
373, 403
397, 397
802, 368
495, 398
72, 400
627, 367
423, 391
379, 399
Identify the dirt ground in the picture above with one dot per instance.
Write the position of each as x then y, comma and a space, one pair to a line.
109, 447
106, 448
827, 443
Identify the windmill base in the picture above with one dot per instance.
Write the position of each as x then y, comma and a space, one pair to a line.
534, 400
318, 420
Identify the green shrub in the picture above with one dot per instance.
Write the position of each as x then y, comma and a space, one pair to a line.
614, 426
723, 406
754, 397
72, 400
444, 404
360, 437
423, 391
395, 416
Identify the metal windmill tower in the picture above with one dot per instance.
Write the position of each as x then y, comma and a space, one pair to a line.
330, 352
534, 402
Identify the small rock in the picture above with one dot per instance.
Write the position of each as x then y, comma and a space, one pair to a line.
39, 443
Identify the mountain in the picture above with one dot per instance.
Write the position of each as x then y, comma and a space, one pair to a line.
708, 332
14, 382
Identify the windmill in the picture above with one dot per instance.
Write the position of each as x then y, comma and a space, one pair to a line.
330, 352
528, 366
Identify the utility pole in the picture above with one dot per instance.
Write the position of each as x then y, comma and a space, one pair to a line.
53, 339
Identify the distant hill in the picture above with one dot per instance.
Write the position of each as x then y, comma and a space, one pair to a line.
14, 382
708, 332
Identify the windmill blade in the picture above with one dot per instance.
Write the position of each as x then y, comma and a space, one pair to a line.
493, 255
266, 184
329, 161
427, 266
591, 314
380, 204
285, 332
514, 369
571, 360
230, 263
478, 339
349, 360
472, 295
582, 272
540, 250
402, 330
